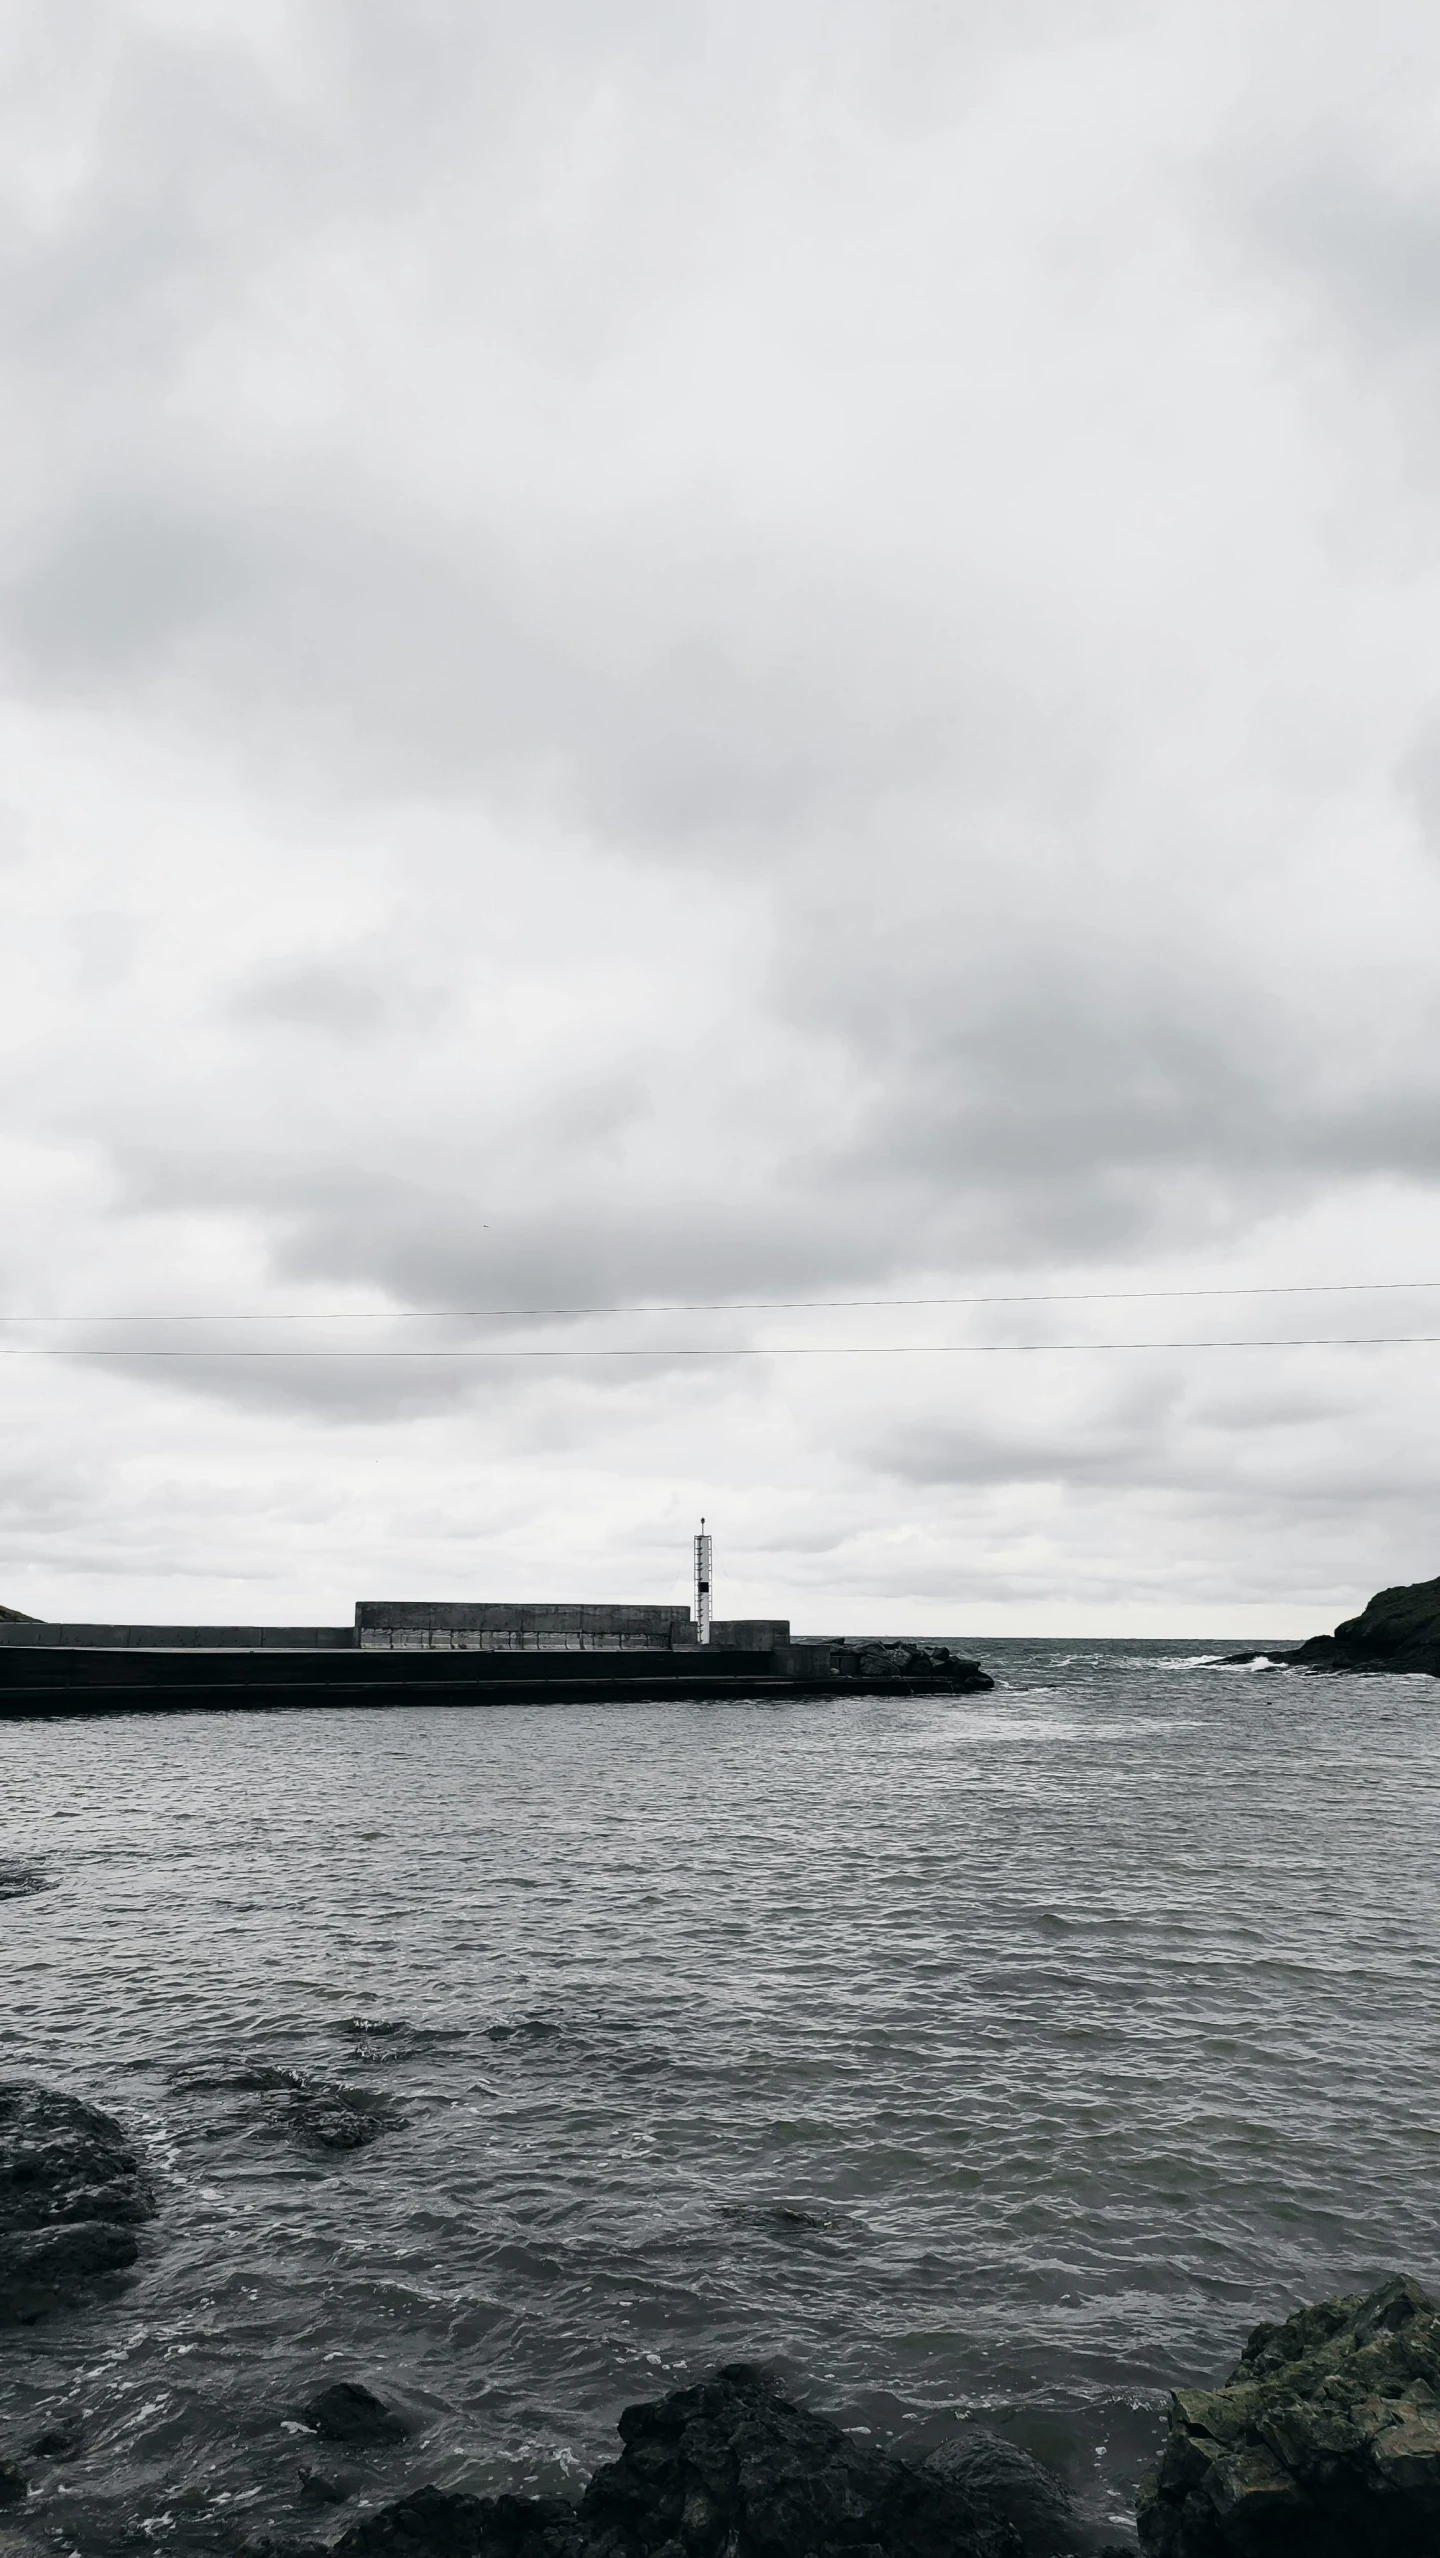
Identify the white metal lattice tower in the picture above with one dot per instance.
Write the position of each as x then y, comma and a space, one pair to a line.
702, 1585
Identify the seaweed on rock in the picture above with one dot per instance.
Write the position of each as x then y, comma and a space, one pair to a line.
1323, 2443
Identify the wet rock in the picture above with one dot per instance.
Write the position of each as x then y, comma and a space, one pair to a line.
348, 2412
39, 2267
913, 1669
383, 2040
1000, 2484
14, 2485
17, 1882
1323, 2443
61, 2441
434, 2524
71, 2193
733, 2467
785, 2220
318, 2114
317, 2489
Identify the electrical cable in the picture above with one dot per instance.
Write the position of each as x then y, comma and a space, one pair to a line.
741, 1305
774, 1350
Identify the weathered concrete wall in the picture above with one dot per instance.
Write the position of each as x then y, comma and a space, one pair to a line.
420, 1625
439, 1625
749, 1634
33, 1635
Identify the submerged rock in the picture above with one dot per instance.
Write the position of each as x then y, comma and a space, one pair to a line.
435, 2524
63, 2440
17, 1882
14, 2485
318, 2114
348, 2412
732, 2469
1002, 2485
71, 2193
316, 2489
1323, 2443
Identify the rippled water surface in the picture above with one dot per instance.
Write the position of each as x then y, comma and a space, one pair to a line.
1012, 2054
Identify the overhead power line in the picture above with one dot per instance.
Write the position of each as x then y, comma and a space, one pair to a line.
769, 1350
742, 1305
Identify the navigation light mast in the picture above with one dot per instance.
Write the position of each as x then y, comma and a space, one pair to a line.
702, 1585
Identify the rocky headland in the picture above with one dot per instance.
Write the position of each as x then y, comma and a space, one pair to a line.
1397, 1630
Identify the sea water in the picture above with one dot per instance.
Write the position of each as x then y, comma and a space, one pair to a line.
1002, 2057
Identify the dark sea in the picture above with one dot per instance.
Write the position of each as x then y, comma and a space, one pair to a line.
1007, 2056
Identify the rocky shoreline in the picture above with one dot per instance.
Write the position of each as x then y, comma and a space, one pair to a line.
1324, 2442
1397, 1630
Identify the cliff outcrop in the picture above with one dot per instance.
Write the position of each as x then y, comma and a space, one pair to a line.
1398, 1630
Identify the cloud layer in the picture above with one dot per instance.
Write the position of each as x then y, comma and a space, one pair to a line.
686, 658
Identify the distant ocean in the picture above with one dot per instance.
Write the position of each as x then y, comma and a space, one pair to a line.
1011, 2054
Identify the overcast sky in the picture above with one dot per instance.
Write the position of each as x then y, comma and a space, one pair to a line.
705, 653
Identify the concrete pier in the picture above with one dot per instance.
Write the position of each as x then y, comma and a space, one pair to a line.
449, 1653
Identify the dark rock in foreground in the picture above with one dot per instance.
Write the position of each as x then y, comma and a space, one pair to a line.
731, 2469
1323, 2443
348, 2412
71, 2191
1002, 2484
732, 2466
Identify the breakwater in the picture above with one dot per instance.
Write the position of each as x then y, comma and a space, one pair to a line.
64, 1669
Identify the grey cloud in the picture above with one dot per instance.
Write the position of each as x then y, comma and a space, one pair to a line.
1418, 777
14, 841
341, 1003
105, 945
124, 585
1367, 243
672, 692
449, 1241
